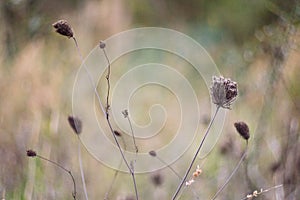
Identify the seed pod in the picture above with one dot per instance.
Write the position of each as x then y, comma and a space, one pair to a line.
152, 153
243, 129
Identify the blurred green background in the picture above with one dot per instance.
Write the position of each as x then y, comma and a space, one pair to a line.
253, 42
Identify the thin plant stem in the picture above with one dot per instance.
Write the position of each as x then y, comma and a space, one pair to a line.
132, 133
231, 175
89, 76
116, 173
100, 104
64, 169
196, 154
108, 83
112, 182
110, 126
81, 171
251, 196
171, 168
123, 156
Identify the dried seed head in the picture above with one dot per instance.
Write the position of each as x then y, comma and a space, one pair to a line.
31, 153
223, 91
75, 124
117, 133
102, 45
157, 179
62, 27
243, 129
125, 113
152, 153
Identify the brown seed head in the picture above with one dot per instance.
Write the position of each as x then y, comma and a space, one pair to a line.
243, 129
152, 153
62, 27
117, 133
102, 45
75, 124
31, 153
223, 91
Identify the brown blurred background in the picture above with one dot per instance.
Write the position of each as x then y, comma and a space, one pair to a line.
255, 43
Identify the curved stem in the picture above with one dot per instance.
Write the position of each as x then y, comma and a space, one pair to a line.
64, 169
195, 156
89, 76
108, 83
111, 129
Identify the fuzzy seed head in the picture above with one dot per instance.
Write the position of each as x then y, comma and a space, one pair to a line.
62, 27
243, 129
31, 153
223, 91
75, 124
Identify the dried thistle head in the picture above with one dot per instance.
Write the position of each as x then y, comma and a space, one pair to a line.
62, 27
243, 129
223, 91
31, 153
75, 124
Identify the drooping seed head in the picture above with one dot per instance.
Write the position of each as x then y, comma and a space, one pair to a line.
75, 124
243, 129
62, 27
223, 91
31, 153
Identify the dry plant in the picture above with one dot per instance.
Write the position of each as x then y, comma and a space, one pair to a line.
33, 154
223, 92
